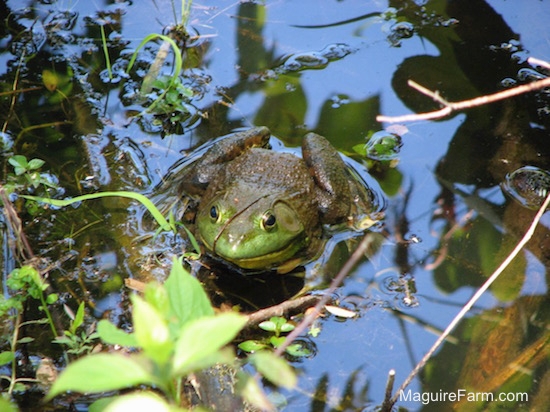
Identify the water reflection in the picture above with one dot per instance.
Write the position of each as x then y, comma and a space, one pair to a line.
492, 142
296, 67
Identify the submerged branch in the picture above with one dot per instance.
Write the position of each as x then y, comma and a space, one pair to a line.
521, 244
449, 107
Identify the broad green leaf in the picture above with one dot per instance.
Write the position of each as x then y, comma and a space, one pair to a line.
156, 295
188, 300
151, 331
112, 335
18, 161
274, 368
224, 356
250, 390
136, 401
6, 357
252, 346
202, 337
7, 406
100, 373
35, 164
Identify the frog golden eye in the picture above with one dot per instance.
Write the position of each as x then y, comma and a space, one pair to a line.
214, 214
268, 221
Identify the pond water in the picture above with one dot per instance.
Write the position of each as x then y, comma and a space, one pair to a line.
330, 67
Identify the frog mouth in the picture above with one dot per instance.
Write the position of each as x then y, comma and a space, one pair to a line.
264, 261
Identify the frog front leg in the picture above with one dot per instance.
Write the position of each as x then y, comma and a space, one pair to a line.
330, 175
219, 154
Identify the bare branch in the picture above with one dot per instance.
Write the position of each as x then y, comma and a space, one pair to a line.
449, 107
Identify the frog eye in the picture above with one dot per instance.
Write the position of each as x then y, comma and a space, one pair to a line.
268, 220
214, 213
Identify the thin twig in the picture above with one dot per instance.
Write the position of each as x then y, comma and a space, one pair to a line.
282, 309
528, 234
449, 107
533, 61
344, 271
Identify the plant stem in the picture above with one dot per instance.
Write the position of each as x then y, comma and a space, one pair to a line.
48, 315
13, 347
106, 52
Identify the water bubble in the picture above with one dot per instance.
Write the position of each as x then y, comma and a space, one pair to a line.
449, 22
400, 31
526, 74
528, 186
508, 82
404, 29
310, 60
314, 59
383, 146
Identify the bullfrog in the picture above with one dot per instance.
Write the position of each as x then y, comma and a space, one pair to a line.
260, 209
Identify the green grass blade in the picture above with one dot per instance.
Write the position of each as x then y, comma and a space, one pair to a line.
157, 215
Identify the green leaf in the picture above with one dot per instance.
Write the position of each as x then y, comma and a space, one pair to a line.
137, 401
188, 300
6, 357
151, 331
18, 161
275, 369
100, 373
276, 341
224, 356
112, 335
251, 391
203, 337
51, 298
252, 346
268, 325
35, 164
79, 317
287, 327
297, 350
7, 406
26, 339
156, 295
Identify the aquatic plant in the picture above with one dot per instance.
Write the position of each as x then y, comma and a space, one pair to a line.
177, 332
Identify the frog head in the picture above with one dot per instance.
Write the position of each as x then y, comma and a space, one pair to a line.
251, 227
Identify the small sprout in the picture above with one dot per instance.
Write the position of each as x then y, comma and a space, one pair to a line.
277, 325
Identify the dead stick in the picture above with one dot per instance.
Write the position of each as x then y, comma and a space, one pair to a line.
450, 107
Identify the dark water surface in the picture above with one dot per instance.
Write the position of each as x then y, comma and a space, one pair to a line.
329, 67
